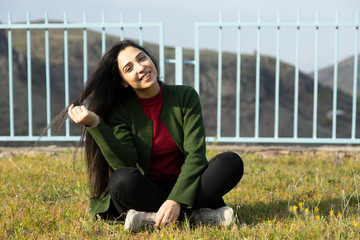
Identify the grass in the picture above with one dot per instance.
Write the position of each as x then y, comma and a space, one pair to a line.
44, 196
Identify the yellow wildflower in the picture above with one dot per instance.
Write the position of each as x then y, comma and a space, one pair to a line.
294, 208
339, 214
317, 217
300, 204
306, 210
355, 223
331, 212
316, 209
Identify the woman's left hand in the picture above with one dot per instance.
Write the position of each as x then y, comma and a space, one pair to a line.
168, 212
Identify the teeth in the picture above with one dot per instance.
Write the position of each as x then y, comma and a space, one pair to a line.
146, 75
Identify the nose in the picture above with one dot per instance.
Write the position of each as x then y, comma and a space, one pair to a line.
139, 67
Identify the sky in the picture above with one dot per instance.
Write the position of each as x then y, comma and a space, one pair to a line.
179, 18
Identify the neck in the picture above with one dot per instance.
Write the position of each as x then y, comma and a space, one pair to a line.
149, 92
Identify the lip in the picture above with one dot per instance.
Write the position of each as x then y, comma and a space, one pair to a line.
144, 77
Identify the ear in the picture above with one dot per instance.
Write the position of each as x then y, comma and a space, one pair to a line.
125, 84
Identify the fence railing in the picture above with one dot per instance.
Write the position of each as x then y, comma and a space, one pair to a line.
277, 27
238, 27
65, 25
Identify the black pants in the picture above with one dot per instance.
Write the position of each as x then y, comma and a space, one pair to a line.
129, 189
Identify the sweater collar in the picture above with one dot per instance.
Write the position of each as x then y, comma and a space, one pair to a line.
152, 100
135, 102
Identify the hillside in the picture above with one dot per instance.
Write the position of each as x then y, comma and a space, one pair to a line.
345, 76
208, 78
267, 99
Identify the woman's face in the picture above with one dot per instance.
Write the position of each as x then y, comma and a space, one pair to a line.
138, 70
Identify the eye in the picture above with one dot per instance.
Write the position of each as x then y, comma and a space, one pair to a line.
128, 69
142, 57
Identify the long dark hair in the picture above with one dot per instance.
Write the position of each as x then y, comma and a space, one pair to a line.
103, 88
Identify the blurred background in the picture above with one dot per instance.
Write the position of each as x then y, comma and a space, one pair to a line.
296, 61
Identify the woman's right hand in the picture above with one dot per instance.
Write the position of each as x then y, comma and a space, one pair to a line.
80, 115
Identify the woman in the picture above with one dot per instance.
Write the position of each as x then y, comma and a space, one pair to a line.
145, 146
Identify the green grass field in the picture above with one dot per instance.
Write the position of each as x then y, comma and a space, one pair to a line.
302, 196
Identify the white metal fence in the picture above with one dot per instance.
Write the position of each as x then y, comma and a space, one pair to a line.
46, 26
237, 26
277, 27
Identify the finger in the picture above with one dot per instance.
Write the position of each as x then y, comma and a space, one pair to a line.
77, 109
158, 218
171, 218
84, 109
165, 219
71, 112
75, 113
71, 107
78, 114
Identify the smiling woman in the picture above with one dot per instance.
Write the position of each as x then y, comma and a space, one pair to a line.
138, 71
145, 146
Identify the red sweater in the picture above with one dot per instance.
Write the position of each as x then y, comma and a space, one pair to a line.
166, 158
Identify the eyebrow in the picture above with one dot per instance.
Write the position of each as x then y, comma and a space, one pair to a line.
126, 65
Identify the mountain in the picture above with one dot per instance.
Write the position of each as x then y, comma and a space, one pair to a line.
267, 99
345, 76
208, 87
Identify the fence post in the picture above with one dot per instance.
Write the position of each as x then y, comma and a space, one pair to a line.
335, 83
197, 59
178, 66
355, 77
11, 90
316, 77
28, 42
47, 74
296, 82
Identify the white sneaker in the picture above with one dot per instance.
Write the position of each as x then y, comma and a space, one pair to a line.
136, 220
222, 216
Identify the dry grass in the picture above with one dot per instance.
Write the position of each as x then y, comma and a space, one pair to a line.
44, 196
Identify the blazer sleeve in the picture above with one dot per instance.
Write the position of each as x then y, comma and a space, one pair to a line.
194, 145
115, 142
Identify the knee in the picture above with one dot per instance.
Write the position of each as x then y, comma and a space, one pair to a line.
233, 159
235, 163
121, 179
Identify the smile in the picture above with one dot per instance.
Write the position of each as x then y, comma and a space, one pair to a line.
147, 75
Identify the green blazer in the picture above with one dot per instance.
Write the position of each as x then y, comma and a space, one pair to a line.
125, 140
